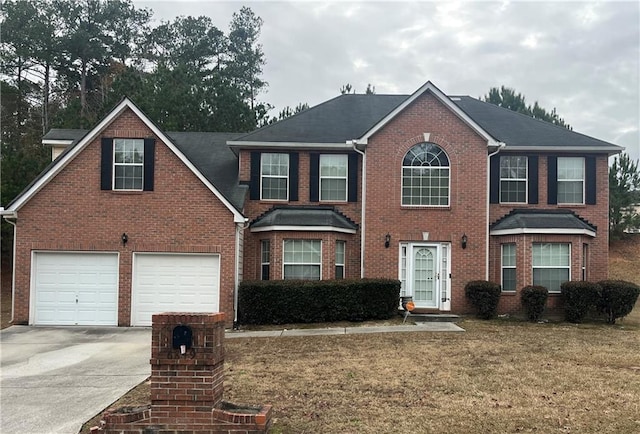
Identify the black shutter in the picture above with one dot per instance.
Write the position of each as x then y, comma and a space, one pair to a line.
314, 177
353, 178
494, 179
293, 176
590, 180
552, 180
106, 164
254, 180
149, 162
533, 179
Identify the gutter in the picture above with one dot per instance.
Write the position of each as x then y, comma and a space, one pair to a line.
363, 190
501, 145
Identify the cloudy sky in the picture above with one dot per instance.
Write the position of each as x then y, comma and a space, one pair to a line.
583, 58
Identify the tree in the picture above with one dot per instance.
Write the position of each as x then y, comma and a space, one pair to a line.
284, 113
509, 99
624, 189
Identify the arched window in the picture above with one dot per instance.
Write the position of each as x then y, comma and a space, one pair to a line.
425, 176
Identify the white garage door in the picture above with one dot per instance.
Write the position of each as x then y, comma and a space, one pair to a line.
173, 283
77, 288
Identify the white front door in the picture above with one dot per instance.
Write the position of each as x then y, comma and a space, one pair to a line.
425, 274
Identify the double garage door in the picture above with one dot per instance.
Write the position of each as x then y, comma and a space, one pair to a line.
81, 288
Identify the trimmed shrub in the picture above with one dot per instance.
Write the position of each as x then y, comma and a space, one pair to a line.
534, 299
307, 301
484, 296
579, 298
617, 298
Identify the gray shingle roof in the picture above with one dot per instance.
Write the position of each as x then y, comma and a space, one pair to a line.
542, 219
64, 134
215, 160
322, 216
517, 129
349, 117
343, 118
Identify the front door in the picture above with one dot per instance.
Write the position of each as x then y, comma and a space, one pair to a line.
425, 274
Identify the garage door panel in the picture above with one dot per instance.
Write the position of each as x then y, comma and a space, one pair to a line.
75, 288
174, 283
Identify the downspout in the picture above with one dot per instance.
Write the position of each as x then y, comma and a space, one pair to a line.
363, 190
13, 265
486, 267
240, 227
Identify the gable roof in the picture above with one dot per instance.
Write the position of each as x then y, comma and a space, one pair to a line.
351, 118
536, 221
232, 198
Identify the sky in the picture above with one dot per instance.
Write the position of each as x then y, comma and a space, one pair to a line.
581, 58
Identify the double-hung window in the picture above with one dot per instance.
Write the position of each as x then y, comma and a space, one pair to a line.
551, 265
508, 267
128, 164
302, 259
274, 176
333, 177
513, 179
425, 176
571, 180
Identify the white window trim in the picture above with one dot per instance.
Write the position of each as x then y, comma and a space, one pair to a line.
345, 177
510, 267
525, 179
582, 180
533, 267
301, 263
262, 176
114, 165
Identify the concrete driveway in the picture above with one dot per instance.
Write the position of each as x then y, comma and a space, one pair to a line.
53, 379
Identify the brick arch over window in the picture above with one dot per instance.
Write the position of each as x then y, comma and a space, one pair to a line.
426, 176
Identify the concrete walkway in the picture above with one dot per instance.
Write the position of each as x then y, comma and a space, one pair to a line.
419, 327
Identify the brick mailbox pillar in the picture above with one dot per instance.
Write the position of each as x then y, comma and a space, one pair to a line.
187, 362
187, 382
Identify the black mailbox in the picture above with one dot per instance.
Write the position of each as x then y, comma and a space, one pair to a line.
182, 337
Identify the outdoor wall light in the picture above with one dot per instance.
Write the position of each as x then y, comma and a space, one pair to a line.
464, 241
124, 239
387, 241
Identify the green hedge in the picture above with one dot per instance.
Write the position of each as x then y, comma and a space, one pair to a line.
306, 301
579, 298
617, 298
484, 296
534, 299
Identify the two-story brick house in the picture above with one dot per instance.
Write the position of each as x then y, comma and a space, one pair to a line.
433, 190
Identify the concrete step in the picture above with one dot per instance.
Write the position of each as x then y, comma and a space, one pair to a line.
432, 317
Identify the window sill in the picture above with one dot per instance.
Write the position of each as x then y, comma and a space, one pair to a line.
126, 192
509, 293
426, 207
